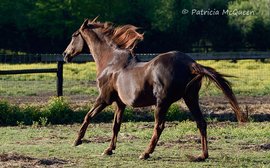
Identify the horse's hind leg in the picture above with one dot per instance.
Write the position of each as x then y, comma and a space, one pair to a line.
159, 127
192, 101
116, 127
97, 108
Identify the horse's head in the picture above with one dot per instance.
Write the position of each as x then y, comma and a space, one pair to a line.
122, 37
75, 47
77, 44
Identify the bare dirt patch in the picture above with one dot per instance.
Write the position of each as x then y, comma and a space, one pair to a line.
125, 137
8, 160
219, 104
97, 139
187, 141
256, 108
263, 147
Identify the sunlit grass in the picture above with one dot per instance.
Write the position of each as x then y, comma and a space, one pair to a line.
251, 78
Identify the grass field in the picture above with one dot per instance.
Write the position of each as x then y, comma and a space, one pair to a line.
78, 79
230, 145
252, 79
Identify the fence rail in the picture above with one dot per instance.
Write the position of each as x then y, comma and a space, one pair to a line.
58, 71
44, 58
27, 71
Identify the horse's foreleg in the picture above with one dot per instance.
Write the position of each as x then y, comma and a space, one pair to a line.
159, 127
194, 108
116, 127
97, 108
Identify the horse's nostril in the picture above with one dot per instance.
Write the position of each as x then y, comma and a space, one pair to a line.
64, 54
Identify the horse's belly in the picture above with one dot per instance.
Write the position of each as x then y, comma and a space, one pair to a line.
137, 98
132, 94
144, 99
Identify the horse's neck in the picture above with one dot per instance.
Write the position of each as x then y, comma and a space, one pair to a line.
100, 51
104, 54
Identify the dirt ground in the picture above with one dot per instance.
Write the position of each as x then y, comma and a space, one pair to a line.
258, 106
8, 160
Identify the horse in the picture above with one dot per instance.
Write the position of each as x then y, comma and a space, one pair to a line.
122, 78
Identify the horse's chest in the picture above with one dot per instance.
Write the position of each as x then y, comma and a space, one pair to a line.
106, 87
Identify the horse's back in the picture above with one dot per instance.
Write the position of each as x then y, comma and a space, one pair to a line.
174, 64
175, 56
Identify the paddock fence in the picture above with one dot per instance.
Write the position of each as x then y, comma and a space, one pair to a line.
19, 80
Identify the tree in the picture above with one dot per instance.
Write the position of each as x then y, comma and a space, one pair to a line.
254, 26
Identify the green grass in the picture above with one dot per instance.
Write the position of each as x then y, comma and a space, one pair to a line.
251, 78
78, 79
230, 144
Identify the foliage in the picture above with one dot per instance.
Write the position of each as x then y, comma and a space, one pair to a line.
58, 111
46, 26
255, 26
175, 114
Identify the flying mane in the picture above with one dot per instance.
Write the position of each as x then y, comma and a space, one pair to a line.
124, 37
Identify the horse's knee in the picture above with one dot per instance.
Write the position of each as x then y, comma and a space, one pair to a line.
86, 119
159, 128
202, 125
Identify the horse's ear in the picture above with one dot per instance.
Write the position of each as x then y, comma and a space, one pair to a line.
94, 20
84, 25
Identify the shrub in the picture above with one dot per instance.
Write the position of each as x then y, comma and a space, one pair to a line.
30, 114
174, 114
9, 114
58, 111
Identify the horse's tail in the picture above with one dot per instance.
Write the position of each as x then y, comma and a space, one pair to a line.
202, 71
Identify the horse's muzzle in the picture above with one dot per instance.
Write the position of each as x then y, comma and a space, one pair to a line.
67, 57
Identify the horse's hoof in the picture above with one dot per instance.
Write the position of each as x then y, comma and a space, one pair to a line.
107, 152
77, 142
196, 159
144, 156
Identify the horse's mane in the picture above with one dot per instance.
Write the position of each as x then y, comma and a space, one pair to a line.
124, 37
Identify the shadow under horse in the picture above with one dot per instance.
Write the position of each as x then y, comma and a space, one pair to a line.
123, 79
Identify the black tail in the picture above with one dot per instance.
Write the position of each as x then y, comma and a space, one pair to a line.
223, 84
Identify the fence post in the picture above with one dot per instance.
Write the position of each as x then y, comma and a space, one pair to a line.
60, 78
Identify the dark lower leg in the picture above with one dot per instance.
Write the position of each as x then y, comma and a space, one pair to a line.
204, 155
159, 127
202, 128
95, 110
192, 101
203, 132
116, 128
153, 142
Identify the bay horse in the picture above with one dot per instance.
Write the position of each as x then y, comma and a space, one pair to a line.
123, 79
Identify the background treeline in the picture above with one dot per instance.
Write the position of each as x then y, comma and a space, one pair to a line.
45, 26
